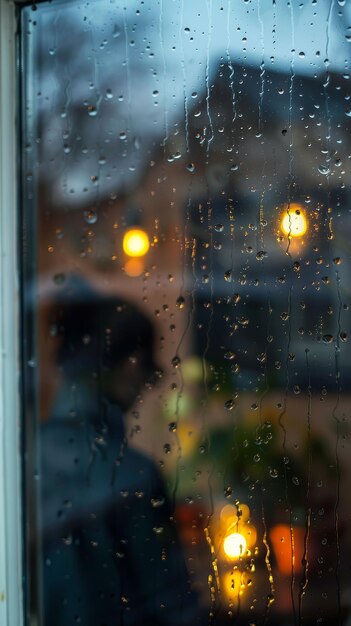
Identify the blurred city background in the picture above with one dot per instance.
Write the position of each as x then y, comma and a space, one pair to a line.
194, 159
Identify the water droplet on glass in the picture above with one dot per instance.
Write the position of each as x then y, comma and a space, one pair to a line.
157, 502
324, 169
228, 492
90, 216
67, 540
180, 302
176, 361
120, 555
92, 110
244, 321
190, 167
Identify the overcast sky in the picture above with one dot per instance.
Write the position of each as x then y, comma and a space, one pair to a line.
128, 68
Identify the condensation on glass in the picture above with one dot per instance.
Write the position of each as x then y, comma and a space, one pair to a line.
186, 293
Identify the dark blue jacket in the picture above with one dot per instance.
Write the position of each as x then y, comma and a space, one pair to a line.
111, 555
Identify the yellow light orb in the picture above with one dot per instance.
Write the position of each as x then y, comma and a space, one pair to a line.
294, 223
136, 242
234, 545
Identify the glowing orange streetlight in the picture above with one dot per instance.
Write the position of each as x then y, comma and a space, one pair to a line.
234, 545
135, 242
239, 534
293, 221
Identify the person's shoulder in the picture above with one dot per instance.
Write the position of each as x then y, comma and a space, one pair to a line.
143, 466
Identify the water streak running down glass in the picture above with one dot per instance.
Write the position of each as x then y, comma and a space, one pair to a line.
186, 203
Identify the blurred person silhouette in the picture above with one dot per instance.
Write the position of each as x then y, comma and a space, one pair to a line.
111, 554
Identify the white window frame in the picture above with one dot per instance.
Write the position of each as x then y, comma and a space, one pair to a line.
11, 542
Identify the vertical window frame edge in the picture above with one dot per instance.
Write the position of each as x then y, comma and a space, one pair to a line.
11, 594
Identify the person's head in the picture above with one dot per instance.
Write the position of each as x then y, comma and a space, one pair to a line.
107, 341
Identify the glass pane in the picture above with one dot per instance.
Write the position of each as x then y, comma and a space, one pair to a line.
186, 267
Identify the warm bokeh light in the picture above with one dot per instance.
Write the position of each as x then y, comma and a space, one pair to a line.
294, 223
234, 585
234, 545
243, 512
228, 514
134, 267
136, 242
250, 534
288, 545
195, 369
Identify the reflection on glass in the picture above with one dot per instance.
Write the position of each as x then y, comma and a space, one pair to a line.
186, 311
110, 550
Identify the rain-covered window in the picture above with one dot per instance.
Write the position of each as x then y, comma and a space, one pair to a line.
186, 293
